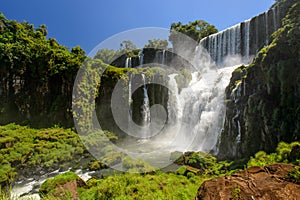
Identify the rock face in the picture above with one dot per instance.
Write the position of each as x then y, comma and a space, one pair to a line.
263, 99
254, 183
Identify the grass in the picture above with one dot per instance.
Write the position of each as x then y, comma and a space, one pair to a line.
137, 186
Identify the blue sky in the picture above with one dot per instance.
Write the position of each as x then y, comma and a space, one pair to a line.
87, 23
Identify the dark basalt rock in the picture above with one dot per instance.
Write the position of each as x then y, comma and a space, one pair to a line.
263, 99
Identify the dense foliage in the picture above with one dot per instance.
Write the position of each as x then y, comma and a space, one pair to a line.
109, 56
23, 149
195, 30
36, 75
286, 153
132, 186
157, 44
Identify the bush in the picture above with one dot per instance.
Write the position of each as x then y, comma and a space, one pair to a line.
283, 154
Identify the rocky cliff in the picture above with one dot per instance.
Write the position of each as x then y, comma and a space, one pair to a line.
263, 99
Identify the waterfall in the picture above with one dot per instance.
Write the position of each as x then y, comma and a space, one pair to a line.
161, 56
146, 117
128, 63
129, 100
247, 41
267, 27
244, 39
141, 59
274, 18
163, 59
197, 111
223, 44
174, 111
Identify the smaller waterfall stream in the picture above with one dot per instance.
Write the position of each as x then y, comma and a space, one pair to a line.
247, 40
146, 116
163, 59
267, 27
141, 60
128, 63
129, 100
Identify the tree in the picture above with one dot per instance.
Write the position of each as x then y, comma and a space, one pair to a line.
127, 45
157, 44
106, 55
36, 74
43, 29
129, 48
195, 30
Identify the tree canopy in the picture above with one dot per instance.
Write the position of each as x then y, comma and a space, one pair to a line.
106, 55
157, 44
196, 30
36, 73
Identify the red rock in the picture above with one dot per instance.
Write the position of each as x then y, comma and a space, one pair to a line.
263, 183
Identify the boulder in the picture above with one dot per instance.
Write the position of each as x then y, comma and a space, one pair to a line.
71, 187
62, 186
268, 182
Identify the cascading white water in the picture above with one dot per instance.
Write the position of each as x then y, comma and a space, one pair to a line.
141, 59
244, 39
247, 40
146, 116
160, 57
174, 111
267, 27
163, 59
224, 43
129, 100
128, 63
24, 190
198, 110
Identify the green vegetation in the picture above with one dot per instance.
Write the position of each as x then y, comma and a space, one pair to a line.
36, 79
157, 44
50, 185
294, 175
36, 75
284, 153
204, 164
108, 56
24, 149
183, 78
196, 167
195, 30
132, 186
236, 192
237, 76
